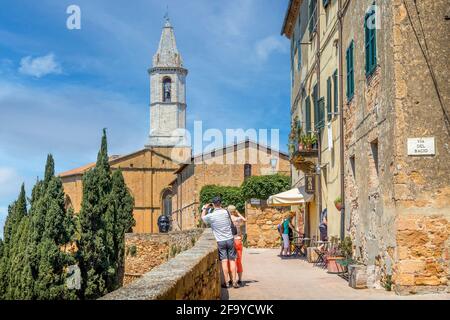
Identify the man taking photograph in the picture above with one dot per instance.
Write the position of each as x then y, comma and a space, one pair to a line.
220, 222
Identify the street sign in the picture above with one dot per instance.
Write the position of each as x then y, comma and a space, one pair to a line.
310, 183
421, 147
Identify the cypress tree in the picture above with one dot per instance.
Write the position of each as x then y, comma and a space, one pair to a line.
106, 214
57, 233
93, 251
12, 261
121, 218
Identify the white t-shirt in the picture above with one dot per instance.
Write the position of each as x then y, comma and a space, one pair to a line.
220, 223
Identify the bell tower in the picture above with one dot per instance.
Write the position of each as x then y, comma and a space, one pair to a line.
167, 93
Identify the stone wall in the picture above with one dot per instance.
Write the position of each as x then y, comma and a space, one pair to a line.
423, 254
262, 224
192, 275
147, 251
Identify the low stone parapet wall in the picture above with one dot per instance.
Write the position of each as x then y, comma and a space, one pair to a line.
143, 252
192, 275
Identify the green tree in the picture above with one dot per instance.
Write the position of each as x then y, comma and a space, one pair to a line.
229, 195
120, 220
262, 187
13, 261
105, 216
57, 233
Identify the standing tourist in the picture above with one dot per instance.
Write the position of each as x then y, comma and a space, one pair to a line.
220, 222
285, 228
238, 221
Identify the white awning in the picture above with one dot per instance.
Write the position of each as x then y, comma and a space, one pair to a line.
292, 197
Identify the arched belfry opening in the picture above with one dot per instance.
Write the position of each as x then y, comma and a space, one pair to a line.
167, 89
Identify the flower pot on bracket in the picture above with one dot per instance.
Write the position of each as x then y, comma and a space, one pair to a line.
338, 206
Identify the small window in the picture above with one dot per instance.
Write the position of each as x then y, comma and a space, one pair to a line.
350, 73
167, 90
247, 170
353, 166
374, 148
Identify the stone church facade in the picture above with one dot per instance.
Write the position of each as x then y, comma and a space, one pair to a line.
151, 173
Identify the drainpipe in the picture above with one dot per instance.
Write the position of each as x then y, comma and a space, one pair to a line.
341, 13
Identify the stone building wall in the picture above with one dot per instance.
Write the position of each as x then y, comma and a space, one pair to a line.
147, 174
192, 275
225, 168
147, 251
368, 131
421, 184
397, 205
262, 225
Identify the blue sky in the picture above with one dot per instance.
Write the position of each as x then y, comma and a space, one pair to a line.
60, 87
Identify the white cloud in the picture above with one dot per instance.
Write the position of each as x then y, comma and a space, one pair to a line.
40, 66
265, 47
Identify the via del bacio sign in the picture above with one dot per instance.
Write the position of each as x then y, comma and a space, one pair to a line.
421, 147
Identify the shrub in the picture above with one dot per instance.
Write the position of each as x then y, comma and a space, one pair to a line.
229, 195
262, 187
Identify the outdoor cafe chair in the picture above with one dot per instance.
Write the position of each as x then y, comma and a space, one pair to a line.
321, 254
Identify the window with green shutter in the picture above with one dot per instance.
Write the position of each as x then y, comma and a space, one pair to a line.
350, 72
312, 16
329, 115
370, 42
308, 114
336, 94
321, 108
316, 106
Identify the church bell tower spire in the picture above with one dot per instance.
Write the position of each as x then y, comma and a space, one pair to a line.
167, 92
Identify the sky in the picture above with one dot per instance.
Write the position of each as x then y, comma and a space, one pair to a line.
60, 87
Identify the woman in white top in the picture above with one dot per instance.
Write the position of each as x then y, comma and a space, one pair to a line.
238, 221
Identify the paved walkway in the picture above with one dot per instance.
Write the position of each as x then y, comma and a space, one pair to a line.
267, 276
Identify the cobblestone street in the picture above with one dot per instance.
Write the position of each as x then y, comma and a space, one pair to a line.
267, 276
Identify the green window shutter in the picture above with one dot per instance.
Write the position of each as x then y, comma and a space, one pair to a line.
329, 115
299, 55
316, 107
312, 15
370, 44
336, 94
321, 107
308, 115
350, 73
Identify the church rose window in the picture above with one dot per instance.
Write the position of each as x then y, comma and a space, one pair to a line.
167, 83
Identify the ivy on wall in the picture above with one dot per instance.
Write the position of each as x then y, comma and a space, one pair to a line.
229, 195
262, 187
256, 187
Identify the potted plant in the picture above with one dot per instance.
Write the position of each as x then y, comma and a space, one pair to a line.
334, 256
310, 140
301, 142
338, 203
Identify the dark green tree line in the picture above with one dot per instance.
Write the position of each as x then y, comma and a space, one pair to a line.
33, 253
